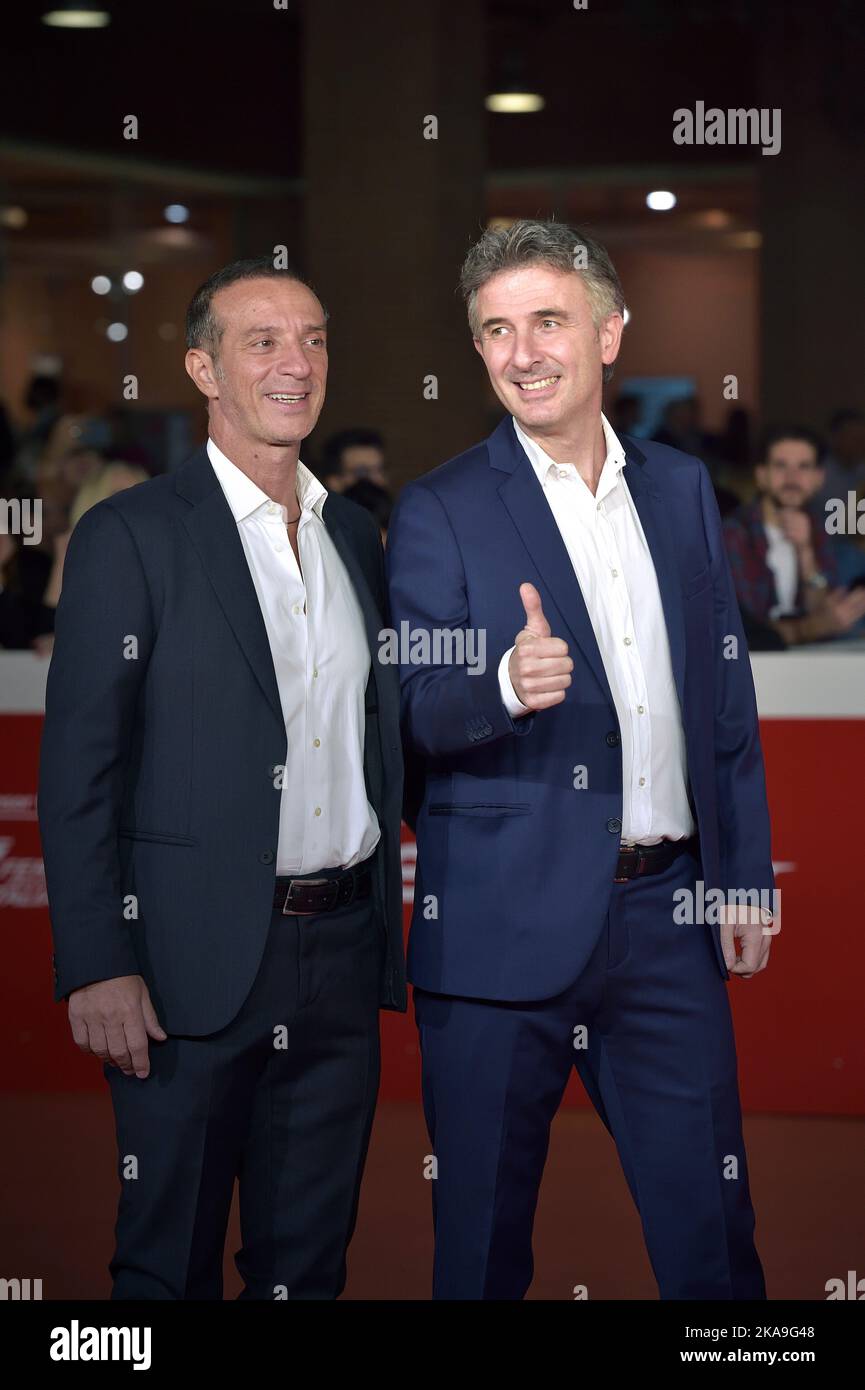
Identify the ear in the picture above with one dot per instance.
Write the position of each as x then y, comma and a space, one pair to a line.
610, 337
478, 347
199, 365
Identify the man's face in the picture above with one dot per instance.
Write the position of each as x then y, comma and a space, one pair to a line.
541, 348
268, 380
791, 475
362, 461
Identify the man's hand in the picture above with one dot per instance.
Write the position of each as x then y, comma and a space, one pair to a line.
842, 610
796, 526
539, 667
113, 1019
745, 923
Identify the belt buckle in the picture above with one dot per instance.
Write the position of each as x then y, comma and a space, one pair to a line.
310, 882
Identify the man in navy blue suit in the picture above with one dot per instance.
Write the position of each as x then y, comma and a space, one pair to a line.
592, 829
219, 800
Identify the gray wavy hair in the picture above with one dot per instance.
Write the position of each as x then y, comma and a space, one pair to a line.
553, 244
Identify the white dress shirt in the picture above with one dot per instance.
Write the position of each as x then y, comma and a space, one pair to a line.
613, 566
782, 561
321, 657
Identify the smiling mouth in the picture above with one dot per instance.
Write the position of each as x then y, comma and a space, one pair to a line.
285, 399
539, 385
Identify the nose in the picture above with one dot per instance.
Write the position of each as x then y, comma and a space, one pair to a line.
525, 355
294, 362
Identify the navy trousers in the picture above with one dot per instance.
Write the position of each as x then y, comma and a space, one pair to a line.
282, 1099
659, 1064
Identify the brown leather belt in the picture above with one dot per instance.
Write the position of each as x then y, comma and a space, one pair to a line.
303, 897
636, 860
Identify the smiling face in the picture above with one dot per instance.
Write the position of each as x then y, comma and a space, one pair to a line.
541, 348
266, 383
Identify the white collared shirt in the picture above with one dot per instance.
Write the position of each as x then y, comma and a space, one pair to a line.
613, 565
321, 658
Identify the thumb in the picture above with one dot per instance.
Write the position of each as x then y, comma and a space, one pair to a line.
535, 620
151, 1022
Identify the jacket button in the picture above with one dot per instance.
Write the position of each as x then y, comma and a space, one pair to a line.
614, 826
266, 856
612, 739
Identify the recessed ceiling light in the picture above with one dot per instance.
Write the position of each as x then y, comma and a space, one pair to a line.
132, 281
100, 284
116, 332
661, 200
176, 212
514, 103
76, 17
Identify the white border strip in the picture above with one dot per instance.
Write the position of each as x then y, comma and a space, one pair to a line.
810, 684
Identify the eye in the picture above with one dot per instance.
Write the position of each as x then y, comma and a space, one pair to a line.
316, 342
553, 323
268, 341
495, 332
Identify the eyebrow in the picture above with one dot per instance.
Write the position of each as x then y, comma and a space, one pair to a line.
536, 313
274, 328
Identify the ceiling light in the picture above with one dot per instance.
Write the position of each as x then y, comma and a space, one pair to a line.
661, 200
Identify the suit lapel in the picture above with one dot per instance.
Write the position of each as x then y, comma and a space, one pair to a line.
213, 531
372, 620
655, 521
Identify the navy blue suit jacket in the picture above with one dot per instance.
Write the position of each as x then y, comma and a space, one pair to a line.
515, 866
158, 777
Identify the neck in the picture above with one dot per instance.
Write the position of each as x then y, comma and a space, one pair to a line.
583, 444
272, 467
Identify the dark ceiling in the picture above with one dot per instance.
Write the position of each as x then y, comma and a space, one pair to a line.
216, 84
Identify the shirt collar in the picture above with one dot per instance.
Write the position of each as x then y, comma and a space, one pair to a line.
245, 497
542, 463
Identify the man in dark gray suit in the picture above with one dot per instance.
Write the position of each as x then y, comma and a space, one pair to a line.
219, 802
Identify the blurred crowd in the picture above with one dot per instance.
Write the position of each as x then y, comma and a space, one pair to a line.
799, 579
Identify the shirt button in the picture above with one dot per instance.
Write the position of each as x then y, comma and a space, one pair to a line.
316, 743
642, 781
315, 673
296, 608
563, 472
318, 810
615, 574
599, 506
278, 546
271, 507
641, 709
627, 641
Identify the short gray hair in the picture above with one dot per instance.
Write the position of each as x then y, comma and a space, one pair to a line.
553, 244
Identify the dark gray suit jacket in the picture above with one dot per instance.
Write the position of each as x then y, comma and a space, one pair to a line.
163, 733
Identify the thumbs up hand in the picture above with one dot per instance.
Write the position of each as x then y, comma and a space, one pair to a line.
539, 666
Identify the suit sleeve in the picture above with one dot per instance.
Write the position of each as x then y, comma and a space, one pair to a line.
446, 709
743, 812
94, 681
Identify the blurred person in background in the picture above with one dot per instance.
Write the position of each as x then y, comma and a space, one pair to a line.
783, 567
844, 463
42, 400
374, 499
351, 455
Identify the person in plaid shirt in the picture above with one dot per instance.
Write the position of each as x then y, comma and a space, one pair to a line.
782, 563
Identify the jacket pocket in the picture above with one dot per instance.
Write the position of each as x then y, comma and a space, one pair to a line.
157, 837
479, 808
